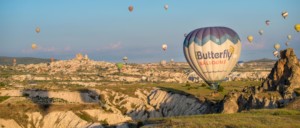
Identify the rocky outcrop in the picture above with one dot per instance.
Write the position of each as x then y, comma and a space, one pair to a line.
276, 91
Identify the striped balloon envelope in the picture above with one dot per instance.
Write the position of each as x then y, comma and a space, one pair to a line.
212, 52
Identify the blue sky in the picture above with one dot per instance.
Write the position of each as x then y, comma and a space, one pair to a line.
106, 30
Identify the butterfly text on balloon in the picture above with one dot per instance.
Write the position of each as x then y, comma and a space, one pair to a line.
213, 55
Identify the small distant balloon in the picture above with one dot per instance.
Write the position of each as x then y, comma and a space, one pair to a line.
185, 34
166, 7
125, 58
37, 30
268, 22
164, 47
277, 46
276, 53
289, 37
130, 8
163, 62
287, 43
33, 46
261, 32
284, 14
297, 27
250, 38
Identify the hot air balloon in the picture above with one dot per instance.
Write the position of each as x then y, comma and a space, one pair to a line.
268, 22
163, 62
166, 7
276, 53
164, 47
297, 27
130, 8
172, 60
289, 37
287, 43
185, 34
277, 46
250, 38
119, 66
261, 32
284, 14
14, 62
37, 30
33, 46
212, 52
125, 59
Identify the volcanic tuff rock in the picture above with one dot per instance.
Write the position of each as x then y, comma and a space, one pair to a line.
276, 91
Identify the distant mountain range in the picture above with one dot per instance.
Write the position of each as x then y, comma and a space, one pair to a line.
22, 60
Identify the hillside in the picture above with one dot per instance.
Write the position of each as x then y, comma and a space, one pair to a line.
22, 60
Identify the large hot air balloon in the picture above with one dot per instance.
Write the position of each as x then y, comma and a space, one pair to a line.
284, 14
166, 7
261, 32
289, 37
297, 27
130, 8
250, 38
37, 30
164, 47
268, 22
277, 46
212, 52
33, 46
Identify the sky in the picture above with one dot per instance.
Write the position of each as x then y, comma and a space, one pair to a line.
107, 31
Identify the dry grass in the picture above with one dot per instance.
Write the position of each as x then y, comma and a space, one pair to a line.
265, 118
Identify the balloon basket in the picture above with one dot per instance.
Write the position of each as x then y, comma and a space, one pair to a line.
214, 86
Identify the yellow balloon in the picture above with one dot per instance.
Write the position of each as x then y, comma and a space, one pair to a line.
277, 46
297, 27
33, 46
250, 38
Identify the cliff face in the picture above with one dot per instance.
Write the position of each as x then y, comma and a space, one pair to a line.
276, 91
114, 107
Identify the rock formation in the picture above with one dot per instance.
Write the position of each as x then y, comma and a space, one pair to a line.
276, 91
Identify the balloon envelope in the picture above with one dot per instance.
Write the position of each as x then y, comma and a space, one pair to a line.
33, 46
212, 52
250, 38
130, 8
289, 37
166, 7
37, 30
277, 46
261, 32
268, 22
119, 65
297, 27
285, 14
164, 47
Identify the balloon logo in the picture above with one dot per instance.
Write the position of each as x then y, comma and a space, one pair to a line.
212, 52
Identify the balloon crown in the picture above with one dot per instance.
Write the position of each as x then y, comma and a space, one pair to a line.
217, 35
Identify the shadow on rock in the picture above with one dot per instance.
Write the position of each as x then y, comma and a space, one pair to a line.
39, 97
